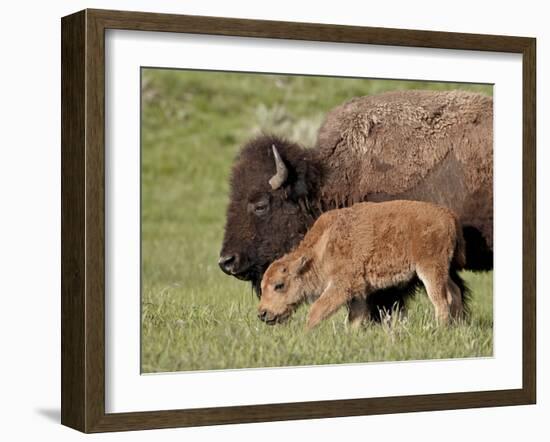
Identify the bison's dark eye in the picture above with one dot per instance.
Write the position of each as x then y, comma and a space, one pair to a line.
261, 207
278, 287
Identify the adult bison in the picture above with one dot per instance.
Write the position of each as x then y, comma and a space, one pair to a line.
416, 145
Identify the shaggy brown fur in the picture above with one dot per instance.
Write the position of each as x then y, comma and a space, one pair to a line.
350, 253
408, 145
417, 145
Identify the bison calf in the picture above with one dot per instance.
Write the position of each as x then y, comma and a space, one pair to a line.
352, 252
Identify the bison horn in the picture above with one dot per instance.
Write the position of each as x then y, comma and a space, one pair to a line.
281, 175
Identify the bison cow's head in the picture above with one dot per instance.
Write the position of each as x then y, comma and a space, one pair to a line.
272, 184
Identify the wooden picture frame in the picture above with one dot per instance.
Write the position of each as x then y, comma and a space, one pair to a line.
83, 220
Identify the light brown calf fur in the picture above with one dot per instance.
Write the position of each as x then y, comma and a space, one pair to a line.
349, 253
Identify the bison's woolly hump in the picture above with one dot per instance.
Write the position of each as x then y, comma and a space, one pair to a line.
419, 145
407, 145
350, 253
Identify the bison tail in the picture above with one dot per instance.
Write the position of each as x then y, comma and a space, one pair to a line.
459, 256
459, 263
465, 292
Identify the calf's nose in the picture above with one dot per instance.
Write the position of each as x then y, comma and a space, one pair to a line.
262, 315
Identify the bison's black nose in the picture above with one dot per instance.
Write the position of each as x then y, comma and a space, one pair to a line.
262, 315
228, 263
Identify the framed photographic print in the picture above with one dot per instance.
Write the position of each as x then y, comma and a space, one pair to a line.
269, 220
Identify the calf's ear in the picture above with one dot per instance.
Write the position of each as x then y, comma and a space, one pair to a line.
304, 263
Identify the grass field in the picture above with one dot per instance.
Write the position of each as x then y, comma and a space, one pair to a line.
196, 318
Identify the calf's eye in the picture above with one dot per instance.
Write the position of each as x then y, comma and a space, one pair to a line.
279, 287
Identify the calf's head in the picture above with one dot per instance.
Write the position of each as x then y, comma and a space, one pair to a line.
284, 288
272, 182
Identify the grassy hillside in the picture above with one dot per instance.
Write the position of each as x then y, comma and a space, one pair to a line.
193, 316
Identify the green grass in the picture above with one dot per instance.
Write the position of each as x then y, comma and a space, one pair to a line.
193, 316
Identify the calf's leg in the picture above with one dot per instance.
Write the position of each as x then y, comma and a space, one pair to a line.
435, 281
330, 300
